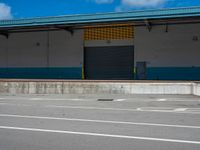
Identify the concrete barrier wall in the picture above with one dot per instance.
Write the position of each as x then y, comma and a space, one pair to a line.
196, 89
81, 87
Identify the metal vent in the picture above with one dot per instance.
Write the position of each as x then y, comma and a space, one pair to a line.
112, 32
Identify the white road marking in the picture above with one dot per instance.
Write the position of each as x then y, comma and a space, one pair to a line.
1, 103
156, 109
56, 99
77, 99
180, 109
193, 109
10, 104
120, 100
162, 100
100, 135
100, 108
100, 121
35, 99
43, 99
183, 100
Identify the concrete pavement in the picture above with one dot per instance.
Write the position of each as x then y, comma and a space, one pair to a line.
77, 122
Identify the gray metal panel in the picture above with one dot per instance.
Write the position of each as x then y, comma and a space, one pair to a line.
109, 63
141, 70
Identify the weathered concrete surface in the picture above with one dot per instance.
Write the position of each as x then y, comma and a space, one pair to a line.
45, 87
196, 89
100, 87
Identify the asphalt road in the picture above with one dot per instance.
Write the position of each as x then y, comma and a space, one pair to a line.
81, 122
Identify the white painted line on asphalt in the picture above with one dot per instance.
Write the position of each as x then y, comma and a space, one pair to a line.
193, 109
35, 99
95, 108
6, 104
120, 100
156, 109
86, 107
119, 109
188, 100
100, 135
77, 99
100, 121
56, 99
162, 100
180, 109
10, 104
46, 99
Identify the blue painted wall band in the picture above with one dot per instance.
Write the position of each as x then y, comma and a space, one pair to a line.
42, 73
173, 73
153, 73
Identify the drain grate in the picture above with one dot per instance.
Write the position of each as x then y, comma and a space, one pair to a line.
105, 100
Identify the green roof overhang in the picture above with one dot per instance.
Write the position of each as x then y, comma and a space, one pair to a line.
73, 20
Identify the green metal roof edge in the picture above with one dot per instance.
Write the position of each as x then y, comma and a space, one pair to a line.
103, 17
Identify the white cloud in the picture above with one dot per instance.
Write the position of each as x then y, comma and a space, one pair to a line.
103, 1
143, 3
140, 4
5, 12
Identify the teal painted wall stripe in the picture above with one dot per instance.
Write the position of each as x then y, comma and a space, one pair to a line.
173, 73
42, 73
153, 73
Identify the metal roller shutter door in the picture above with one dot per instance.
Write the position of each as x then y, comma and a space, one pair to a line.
109, 63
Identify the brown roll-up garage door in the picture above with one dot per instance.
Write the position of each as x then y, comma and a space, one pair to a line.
109, 63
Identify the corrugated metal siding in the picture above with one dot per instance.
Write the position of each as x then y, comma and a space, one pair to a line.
113, 32
109, 63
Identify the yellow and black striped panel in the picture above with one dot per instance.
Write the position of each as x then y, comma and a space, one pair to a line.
109, 32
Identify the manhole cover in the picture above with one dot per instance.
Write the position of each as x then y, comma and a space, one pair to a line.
105, 100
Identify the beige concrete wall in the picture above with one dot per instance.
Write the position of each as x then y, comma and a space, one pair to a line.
174, 48
196, 89
32, 49
66, 49
67, 87
22, 49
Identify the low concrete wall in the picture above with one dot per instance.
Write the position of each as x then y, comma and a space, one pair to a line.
101, 87
196, 89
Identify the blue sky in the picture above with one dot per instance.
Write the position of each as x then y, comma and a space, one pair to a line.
10, 9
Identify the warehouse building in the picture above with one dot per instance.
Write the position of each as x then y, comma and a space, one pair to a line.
139, 45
